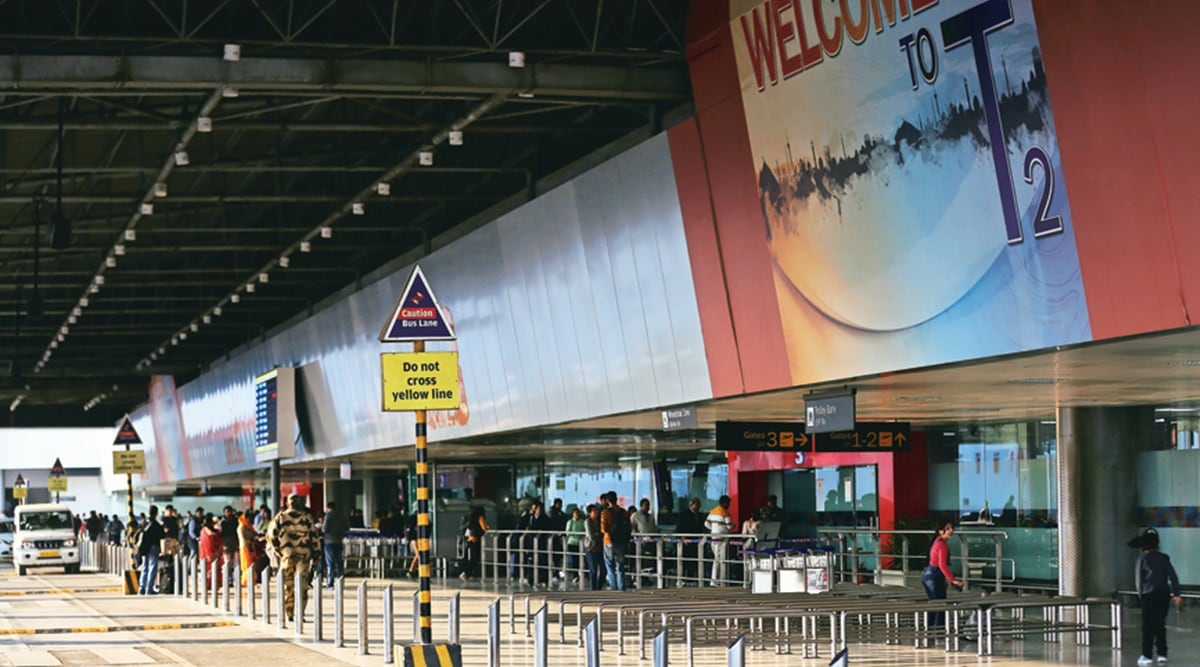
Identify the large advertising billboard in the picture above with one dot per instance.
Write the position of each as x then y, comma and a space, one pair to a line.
909, 181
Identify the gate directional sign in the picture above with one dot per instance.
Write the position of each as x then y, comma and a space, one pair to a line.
417, 315
791, 437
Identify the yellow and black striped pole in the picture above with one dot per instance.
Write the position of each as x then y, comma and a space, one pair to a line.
423, 523
129, 529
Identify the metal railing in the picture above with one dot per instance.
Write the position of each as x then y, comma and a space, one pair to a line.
651, 560
856, 563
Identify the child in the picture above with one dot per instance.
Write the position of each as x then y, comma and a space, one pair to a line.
1157, 586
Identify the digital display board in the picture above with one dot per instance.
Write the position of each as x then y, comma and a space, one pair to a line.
275, 414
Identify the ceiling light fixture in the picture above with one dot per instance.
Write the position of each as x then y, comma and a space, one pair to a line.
204, 124
284, 262
234, 298
118, 250
207, 319
516, 59
250, 288
425, 158
130, 234
194, 327
146, 208
229, 92
217, 311
71, 319
455, 138
84, 302
76, 311
160, 189
357, 208
264, 277
233, 52
326, 232
383, 189
110, 262
181, 159
305, 246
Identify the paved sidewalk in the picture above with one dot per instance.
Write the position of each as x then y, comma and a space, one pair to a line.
113, 629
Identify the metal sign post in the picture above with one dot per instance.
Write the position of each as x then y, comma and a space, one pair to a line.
127, 435
417, 383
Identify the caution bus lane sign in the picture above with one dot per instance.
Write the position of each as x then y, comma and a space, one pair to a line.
419, 381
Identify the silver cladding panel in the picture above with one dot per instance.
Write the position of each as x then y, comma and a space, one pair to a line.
576, 305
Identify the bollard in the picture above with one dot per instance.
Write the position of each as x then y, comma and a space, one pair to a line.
227, 573
317, 620
494, 634
339, 614
237, 591
362, 618
660, 648
281, 616
216, 584
298, 595
205, 584
452, 619
539, 638
250, 598
591, 640
389, 629
737, 652
416, 616
266, 595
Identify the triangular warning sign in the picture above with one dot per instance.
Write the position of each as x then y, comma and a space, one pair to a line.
58, 468
127, 434
20, 480
417, 315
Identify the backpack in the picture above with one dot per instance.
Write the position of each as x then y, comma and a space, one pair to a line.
619, 528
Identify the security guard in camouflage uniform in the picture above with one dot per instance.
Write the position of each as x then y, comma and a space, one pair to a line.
293, 537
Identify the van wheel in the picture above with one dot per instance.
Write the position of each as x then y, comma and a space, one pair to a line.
73, 568
20, 570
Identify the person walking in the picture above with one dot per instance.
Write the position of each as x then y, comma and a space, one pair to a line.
229, 536
690, 524
335, 526
293, 537
935, 575
148, 548
1157, 587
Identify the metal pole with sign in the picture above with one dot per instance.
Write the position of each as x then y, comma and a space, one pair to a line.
58, 479
128, 462
20, 489
418, 382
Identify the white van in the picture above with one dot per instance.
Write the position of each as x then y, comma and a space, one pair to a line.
45, 537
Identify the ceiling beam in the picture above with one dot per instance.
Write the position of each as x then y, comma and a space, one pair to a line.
78, 74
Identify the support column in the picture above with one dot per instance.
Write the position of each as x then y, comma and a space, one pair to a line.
1097, 496
276, 481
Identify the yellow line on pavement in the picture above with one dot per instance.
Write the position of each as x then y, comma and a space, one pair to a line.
117, 628
53, 591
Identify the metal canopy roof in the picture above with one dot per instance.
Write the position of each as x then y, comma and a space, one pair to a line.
211, 197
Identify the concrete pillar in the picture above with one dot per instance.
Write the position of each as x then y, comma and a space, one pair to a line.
1097, 495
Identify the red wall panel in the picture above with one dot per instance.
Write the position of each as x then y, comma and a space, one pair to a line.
1123, 94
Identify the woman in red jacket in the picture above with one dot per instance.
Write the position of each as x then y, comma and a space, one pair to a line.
935, 576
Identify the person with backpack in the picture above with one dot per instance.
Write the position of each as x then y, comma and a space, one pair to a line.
615, 525
1157, 588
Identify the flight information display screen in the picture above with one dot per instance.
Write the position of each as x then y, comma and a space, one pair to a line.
275, 414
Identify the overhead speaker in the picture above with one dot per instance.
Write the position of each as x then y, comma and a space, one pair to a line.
60, 231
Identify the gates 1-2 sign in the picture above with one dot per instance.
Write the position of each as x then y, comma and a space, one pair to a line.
419, 381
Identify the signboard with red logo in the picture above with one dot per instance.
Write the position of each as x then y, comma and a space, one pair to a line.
417, 315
